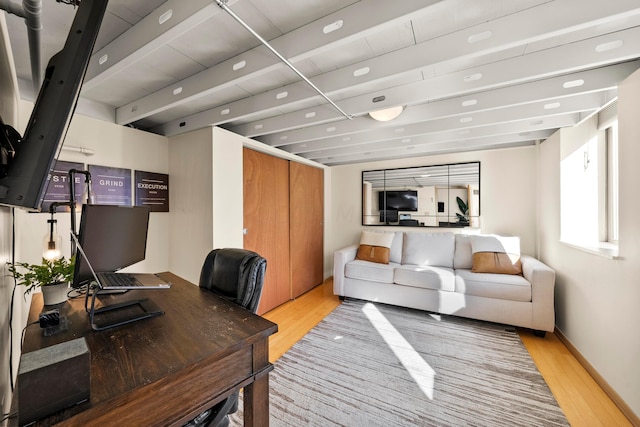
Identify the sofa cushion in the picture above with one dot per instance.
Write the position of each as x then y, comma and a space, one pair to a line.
396, 247
439, 278
463, 257
435, 249
371, 271
496, 254
498, 286
375, 246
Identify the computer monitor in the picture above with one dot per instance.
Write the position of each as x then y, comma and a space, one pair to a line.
113, 237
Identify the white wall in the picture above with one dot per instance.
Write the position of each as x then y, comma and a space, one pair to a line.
507, 192
206, 197
228, 185
596, 297
190, 199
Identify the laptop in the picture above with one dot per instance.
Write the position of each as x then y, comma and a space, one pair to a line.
111, 281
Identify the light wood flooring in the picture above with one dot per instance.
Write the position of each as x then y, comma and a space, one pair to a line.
582, 400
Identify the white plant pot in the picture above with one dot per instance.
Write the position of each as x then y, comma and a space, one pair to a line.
55, 294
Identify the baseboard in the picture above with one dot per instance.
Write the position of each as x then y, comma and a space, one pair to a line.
609, 391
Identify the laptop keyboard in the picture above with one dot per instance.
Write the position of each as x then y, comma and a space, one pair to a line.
118, 280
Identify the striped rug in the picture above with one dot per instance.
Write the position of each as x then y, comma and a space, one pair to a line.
372, 364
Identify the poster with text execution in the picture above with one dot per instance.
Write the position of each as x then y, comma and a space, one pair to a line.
152, 190
110, 186
58, 189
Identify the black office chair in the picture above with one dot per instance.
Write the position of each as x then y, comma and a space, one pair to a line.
236, 275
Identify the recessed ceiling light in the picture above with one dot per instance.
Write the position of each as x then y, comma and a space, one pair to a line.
479, 37
605, 47
333, 26
165, 16
573, 83
361, 72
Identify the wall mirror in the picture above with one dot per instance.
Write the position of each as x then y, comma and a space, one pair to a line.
425, 196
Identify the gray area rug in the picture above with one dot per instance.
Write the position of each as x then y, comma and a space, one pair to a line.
377, 365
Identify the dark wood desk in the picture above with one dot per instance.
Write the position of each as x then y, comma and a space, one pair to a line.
166, 370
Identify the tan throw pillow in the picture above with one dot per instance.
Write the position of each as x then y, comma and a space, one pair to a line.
496, 254
373, 253
496, 262
375, 247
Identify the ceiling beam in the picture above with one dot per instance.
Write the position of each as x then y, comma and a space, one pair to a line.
543, 64
358, 20
440, 52
155, 30
490, 124
599, 79
492, 142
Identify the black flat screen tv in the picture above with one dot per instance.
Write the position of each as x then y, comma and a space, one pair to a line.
25, 163
112, 237
399, 200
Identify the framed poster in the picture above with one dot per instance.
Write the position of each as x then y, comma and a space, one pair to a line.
110, 186
58, 186
152, 190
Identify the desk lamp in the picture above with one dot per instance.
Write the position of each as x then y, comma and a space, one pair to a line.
52, 241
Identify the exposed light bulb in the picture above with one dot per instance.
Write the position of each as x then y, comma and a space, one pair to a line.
52, 242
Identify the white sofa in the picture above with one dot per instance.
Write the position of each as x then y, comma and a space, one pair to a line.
433, 272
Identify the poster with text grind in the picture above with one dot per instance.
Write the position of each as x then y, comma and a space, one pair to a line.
110, 186
152, 190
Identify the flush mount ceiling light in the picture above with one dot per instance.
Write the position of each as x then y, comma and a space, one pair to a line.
386, 114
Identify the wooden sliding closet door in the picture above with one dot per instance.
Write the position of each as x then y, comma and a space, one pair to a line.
306, 192
266, 222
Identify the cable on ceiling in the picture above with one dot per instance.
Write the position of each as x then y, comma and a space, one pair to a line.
223, 5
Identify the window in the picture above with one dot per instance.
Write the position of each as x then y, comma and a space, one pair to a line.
589, 184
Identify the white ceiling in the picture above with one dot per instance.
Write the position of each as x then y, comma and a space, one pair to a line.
472, 74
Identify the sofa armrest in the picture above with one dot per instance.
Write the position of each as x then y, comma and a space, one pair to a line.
340, 259
542, 279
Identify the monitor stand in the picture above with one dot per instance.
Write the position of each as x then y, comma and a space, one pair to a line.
121, 313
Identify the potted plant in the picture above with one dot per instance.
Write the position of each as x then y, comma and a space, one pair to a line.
52, 276
463, 218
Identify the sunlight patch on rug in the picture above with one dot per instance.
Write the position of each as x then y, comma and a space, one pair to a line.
415, 365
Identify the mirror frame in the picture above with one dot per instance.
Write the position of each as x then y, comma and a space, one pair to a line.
431, 193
